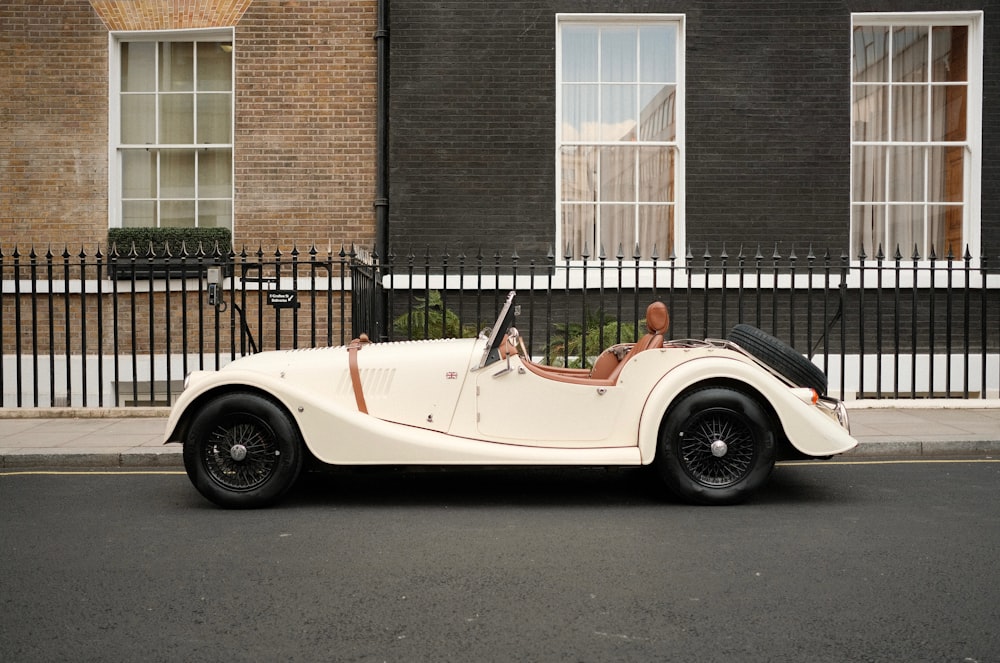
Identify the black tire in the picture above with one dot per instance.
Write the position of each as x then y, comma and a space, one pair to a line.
780, 356
242, 451
716, 447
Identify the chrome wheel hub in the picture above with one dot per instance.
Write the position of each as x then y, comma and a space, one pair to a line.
719, 448
238, 452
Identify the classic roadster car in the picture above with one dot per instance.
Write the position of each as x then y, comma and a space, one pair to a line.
709, 416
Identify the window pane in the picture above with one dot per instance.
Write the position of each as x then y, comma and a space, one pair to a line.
953, 164
869, 168
870, 51
579, 173
909, 113
948, 112
215, 174
579, 54
213, 118
618, 53
215, 214
177, 174
656, 230
177, 214
946, 170
906, 173
579, 223
176, 66
656, 174
618, 229
868, 223
658, 54
657, 120
138, 66
950, 44
618, 112
138, 174
871, 114
946, 222
906, 228
177, 119
617, 174
215, 66
579, 112
137, 214
909, 54
138, 119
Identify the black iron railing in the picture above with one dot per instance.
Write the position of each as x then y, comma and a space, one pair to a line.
124, 328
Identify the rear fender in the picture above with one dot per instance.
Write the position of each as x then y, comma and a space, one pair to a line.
805, 426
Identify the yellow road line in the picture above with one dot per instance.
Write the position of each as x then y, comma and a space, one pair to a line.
19, 473
929, 461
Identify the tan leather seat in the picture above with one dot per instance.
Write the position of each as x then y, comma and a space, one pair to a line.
657, 322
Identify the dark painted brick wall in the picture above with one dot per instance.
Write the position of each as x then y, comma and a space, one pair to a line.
472, 129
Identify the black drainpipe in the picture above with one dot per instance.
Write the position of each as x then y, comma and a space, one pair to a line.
381, 131
381, 162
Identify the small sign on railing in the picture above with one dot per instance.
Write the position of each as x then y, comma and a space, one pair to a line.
283, 299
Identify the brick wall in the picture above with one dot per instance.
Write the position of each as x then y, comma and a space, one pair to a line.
305, 123
53, 123
768, 121
305, 116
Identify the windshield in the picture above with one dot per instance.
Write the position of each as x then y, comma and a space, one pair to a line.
504, 321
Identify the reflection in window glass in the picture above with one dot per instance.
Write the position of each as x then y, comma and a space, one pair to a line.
174, 150
618, 145
910, 133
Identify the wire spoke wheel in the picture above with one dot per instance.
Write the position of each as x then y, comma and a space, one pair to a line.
718, 448
241, 453
243, 450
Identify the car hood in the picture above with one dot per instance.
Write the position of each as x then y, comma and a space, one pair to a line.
417, 383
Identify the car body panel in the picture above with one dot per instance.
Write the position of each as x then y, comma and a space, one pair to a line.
429, 403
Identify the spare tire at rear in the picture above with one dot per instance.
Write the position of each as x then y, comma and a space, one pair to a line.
780, 356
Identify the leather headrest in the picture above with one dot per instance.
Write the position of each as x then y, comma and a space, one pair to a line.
657, 318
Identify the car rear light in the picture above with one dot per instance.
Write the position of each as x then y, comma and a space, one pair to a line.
807, 395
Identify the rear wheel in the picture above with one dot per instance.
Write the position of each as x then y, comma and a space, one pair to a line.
242, 451
716, 447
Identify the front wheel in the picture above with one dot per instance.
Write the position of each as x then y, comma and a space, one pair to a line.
716, 447
242, 451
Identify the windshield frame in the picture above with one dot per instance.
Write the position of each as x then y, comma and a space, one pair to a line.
491, 353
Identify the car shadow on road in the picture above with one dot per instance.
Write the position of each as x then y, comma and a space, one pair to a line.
453, 486
543, 487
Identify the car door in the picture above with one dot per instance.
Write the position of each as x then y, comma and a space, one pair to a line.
518, 406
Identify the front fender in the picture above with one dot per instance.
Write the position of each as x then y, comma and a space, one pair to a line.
808, 428
289, 394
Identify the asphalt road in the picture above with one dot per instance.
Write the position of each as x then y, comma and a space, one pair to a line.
832, 562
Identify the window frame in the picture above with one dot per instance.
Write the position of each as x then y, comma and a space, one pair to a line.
116, 146
972, 177
678, 144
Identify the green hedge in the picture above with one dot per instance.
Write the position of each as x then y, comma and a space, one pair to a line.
122, 240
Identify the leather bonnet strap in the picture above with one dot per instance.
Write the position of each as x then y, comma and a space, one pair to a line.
352, 362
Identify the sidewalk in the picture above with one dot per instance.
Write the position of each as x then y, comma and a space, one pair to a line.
133, 438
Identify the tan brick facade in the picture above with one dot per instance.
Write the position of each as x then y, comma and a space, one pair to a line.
304, 116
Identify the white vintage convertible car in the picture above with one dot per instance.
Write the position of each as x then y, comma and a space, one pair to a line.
709, 416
